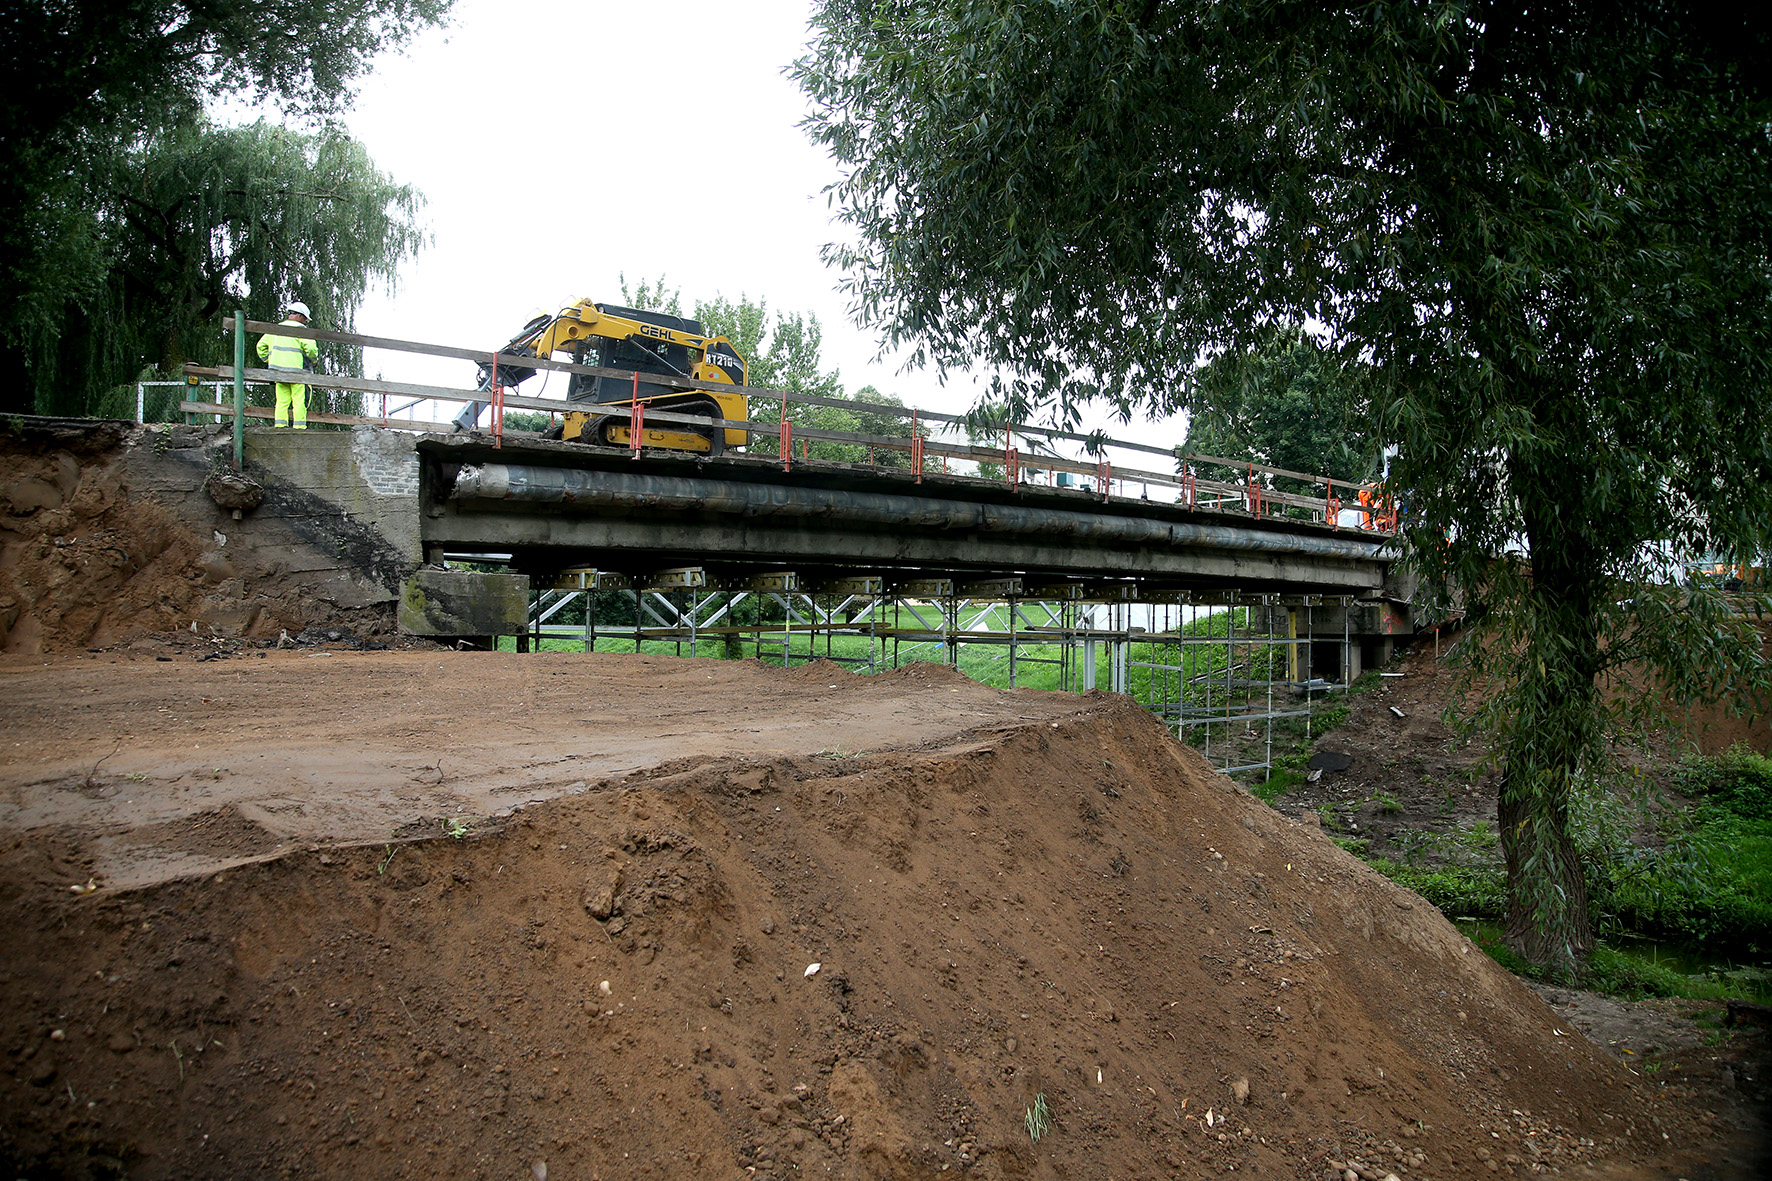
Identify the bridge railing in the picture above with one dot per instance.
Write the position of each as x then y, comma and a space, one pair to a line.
1253, 488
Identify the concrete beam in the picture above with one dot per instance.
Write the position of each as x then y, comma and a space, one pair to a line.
617, 543
463, 603
616, 515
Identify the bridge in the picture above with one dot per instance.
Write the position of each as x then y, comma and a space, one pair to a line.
938, 544
551, 506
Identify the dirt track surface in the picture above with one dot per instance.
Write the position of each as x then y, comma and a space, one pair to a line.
180, 766
1006, 895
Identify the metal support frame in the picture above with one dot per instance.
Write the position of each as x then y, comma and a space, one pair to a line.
1221, 669
240, 391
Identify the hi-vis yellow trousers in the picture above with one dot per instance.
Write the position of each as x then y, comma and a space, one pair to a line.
292, 406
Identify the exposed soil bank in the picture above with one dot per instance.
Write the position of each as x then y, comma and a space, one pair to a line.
1044, 896
107, 536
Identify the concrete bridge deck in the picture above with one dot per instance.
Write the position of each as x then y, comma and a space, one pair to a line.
556, 505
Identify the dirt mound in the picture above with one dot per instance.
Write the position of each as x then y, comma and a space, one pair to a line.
89, 560
81, 562
924, 673
873, 965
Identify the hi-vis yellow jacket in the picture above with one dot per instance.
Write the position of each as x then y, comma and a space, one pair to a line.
287, 352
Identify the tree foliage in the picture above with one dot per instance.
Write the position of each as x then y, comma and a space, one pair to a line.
1287, 405
1542, 235
205, 219
90, 85
792, 360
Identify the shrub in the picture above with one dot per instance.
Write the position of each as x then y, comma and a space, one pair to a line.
1738, 782
1477, 891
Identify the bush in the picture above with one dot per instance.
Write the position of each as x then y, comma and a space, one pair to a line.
1476, 891
1737, 782
1706, 876
1728, 901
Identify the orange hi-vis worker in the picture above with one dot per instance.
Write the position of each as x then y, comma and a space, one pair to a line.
289, 352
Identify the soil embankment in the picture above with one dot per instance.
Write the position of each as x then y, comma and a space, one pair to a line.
1406, 773
107, 535
1007, 896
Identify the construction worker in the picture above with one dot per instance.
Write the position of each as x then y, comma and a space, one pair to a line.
289, 352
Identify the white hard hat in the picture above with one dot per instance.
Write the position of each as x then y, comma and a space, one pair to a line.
298, 307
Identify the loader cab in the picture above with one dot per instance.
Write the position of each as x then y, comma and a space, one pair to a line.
643, 356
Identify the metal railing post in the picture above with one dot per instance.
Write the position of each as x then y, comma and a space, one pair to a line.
239, 391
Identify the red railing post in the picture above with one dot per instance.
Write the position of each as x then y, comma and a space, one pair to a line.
498, 407
1105, 474
636, 417
916, 448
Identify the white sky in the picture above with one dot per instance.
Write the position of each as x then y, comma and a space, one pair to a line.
561, 146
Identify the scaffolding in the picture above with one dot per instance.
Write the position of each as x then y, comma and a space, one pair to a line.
1222, 669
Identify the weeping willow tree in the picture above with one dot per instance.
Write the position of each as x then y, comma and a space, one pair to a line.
203, 219
88, 85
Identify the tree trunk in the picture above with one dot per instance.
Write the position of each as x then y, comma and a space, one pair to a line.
1555, 730
1547, 912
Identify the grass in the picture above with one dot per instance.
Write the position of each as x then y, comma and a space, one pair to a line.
1476, 891
1284, 779
1633, 975
1728, 899
987, 664
1719, 884
1038, 1120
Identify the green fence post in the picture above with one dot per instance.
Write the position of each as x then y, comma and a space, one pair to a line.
239, 391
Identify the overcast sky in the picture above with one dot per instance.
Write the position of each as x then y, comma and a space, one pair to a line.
562, 146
